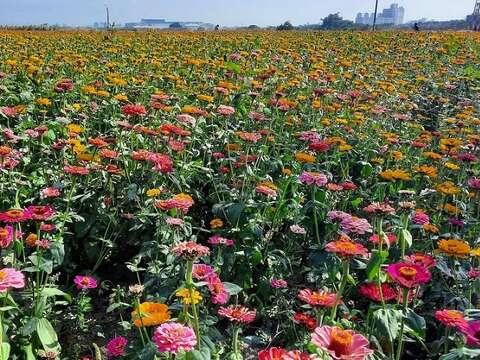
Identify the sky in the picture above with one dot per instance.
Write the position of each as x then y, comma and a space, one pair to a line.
223, 12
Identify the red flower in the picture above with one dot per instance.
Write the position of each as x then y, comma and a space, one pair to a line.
346, 248
317, 298
273, 353
14, 216
372, 291
134, 109
452, 318
76, 170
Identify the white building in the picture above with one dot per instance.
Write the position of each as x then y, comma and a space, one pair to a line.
394, 15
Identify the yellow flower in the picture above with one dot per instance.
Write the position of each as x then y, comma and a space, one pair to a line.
447, 188
286, 171
153, 192
345, 147
304, 157
451, 166
121, 97
150, 314
451, 209
216, 223
430, 171
77, 107
430, 228
393, 175
186, 298
75, 128
475, 252
455, 248
43, 102
205, 98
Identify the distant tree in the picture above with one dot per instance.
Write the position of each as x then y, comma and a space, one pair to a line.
335, 21
252, 27
287, 25
176, 25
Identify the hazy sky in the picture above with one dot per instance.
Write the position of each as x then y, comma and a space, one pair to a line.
223, 12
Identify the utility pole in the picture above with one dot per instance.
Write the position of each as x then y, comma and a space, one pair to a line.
375, 16
108, 17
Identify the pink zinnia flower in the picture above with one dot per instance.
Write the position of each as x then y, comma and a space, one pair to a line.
50, 192
341, 344
218, 240
278, 283
202, 271
173, 337
174, 221
346, 248
225, 110
409, 275
238, 313
391, 239
313, 178
190, 250
472, 331
219, 295
420, 218
85, 282
421, 259
296, 229
186, 119
116, 346
317, 298
11, 278
451, 318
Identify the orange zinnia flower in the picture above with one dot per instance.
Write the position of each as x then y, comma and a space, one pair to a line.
150, 314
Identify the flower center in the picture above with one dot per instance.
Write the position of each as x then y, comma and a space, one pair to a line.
3, 275
340, 342
408, 272
15, 214
3, 233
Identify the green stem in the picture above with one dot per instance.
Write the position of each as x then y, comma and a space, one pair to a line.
343, 283
445, 344
190, 287
315, 219
236, 330
402, 325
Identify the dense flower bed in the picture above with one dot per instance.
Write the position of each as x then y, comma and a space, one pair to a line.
239, 195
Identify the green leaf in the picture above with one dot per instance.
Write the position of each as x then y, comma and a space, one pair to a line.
29, 327
28, 351
415, 323
5, 350
47, 335
52, 291
204, 354
386, 323
376, 261
233, 67
232, 289
405, 234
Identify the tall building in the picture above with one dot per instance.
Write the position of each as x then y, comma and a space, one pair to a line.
394, 15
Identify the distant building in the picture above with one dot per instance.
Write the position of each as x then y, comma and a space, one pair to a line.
394, 15
164, 24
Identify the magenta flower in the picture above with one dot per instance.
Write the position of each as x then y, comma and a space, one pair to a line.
238, 314
85, 282
218, 240
474, 183
116, 346
173, 337
472, 332
409, 275
11, 278
219, 295
225, 110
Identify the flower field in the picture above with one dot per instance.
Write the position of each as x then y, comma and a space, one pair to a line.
239, 195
